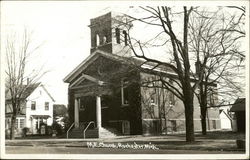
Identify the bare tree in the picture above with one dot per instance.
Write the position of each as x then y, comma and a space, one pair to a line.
181, 84
214, 39
18, 53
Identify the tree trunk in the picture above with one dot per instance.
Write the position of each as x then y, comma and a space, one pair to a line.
203, 109
12, 128
189, 120
203, 120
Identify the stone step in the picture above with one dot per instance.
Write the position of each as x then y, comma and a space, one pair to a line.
107, 133
113, 130
93, 133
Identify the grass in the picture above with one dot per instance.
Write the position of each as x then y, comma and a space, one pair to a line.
213, 141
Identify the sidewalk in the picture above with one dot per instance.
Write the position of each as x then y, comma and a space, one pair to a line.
174, 142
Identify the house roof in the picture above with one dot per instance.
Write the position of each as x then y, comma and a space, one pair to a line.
48, 93
239, 105
124, 60
221, 111
9, 114
28, 90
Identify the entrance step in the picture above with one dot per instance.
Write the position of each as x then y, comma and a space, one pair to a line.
108, 133
93, 133
76, 133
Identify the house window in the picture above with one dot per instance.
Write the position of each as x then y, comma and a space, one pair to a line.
16, 126
214, 124
33, 105
46, 105
125, 38
21, 123
117, 35
124, 92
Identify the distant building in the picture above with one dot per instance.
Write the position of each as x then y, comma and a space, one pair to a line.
36, 108
226, 119
60, 114
239, 109
109, 90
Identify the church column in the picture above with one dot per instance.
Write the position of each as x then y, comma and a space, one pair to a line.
38, 123
76, 113
98, 112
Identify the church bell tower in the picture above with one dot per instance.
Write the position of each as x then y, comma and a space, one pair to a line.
109, 33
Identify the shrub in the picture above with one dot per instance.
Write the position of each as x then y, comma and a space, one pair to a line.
49, 130
25, 130
7, 133
57, 127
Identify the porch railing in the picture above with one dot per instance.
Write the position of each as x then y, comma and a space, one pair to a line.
91, 122
70, 129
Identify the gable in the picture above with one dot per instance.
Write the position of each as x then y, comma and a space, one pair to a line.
102, 71
133, 63
41, 93
97, 64
28, 89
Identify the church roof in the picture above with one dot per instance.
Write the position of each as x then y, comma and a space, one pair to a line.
123, 60
239, 105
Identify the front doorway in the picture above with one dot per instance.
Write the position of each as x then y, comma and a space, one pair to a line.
87, 110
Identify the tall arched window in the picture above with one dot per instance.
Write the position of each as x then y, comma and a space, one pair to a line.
117, 35
125, 38
97, 40
104, 39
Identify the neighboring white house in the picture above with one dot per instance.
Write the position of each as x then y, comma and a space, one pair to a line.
36, 108
225, 119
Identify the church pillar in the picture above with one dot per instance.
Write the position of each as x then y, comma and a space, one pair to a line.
76, 113
98, 112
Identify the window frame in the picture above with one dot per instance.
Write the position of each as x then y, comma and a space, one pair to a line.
97, 38
117, 35
33, 105
46, 104
21, 125
17, 123
123, 88
125, 34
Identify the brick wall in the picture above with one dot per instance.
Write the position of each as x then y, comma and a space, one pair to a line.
171, 117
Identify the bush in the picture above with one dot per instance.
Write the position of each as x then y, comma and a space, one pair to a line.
241, 144
7, 133
57, 127
25, 130
49, 130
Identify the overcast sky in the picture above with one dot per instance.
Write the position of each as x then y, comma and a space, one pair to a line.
62, 29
